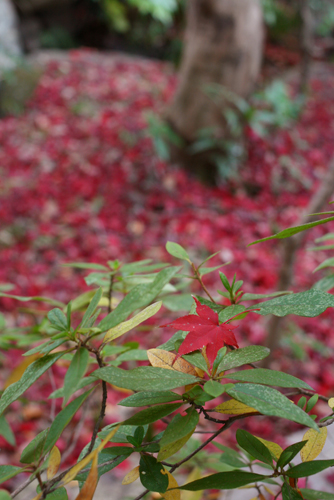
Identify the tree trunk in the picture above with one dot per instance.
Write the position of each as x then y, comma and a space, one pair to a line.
223, 45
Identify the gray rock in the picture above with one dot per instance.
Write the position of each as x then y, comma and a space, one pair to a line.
10, 47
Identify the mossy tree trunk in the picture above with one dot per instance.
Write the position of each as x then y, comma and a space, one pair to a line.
223, 45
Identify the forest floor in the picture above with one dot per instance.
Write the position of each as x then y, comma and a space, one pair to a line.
80, 180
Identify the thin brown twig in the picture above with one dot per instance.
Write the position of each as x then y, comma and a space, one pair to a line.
199, 278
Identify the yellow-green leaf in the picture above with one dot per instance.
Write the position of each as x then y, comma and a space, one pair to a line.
331, 403
53, 463
274, 448
88, 489
315, 443
165, 359
170, 449
126, 326
193, 495
234, 407
85, 461
173, 494
131, 476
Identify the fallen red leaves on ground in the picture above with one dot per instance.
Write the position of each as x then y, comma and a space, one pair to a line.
80, 181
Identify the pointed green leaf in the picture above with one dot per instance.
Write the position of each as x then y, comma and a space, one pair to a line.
140, 296
289, 493
268, 401
325, 284
6, 431
260, 296
126, 326
32, 373
91, 308
150, 398
224, 481
62, 420
268, 377
122, 433
289, 453
152, 474
37, 299
9, 471
177, 429
230, 312
177, 251
33, 452
243, 356
309, 468
144, 378
75, 372
58, 319
286, 233
152, 414
309, 304
316, 495
254, 447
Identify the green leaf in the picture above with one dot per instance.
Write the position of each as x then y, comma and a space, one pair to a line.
324, 264
316, 495
178, 302
111, 457
126, 326
268, 401
122, 434
260, 296
254, 447
196, 359
289, 453
59, 494
32, 373
33, 452
210, 257
225, 282
243, 356
62, 420
91, 308
177, 429
230, 311
214, 388
325, 284
177, 251
46, 347
150, 398
6, 431
286, 233
289, 493
85, 265
309, 468
215, 307
59, 393
152, 414
37, 299
75, 372
58, 319
9, 471
144, 378
207, 270
4, 495
170, 344
309, 304
268, 377
311, 403
224, 481
152, 474
140, 296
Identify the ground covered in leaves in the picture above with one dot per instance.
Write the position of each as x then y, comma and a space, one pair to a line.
80, 181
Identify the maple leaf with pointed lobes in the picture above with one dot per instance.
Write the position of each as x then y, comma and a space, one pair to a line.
204, 330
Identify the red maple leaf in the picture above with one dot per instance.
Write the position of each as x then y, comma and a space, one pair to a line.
204, 330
